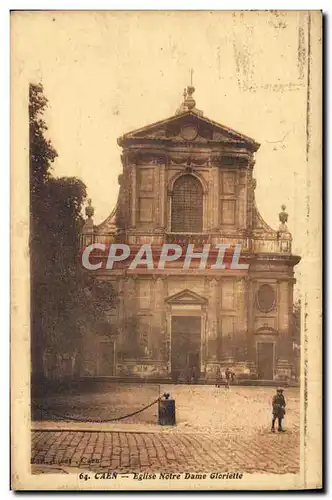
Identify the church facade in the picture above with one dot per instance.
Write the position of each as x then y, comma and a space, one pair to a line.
188, 180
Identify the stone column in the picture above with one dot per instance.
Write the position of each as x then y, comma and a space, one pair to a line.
133, 194
295, 356
240, 341
241, 295
204, 342
159, 341
242, 300
251, 186
156, 192
168, 208
215, 198
242, 197
206, 211
162, 191
209, 203
251, 347
120, 320
212, 286
129, 305
168, 336
284, 366
283, 316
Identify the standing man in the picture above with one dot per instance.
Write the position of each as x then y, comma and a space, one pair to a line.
187, 373
227, 376
194, 375
218, 377
278, 409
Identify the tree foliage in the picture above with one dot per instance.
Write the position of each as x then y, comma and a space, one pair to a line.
65, 299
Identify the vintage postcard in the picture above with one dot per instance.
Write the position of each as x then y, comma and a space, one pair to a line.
166, 186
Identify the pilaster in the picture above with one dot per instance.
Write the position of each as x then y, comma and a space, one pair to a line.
120, 313
215, 188
162, 204
284, 361
242, 200
159, 339
251, 348
212, 288
133, 182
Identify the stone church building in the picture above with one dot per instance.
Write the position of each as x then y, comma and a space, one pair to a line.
189, 180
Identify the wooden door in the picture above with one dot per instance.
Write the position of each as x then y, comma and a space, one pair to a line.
186, 344
265, 360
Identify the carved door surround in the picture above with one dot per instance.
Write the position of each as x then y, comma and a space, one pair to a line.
187, 303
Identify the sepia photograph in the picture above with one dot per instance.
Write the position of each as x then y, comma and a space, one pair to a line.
166, 185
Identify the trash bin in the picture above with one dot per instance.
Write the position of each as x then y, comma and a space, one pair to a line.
166, 411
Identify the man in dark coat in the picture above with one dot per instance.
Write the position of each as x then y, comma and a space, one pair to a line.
218, 377
278, 409
227, 377
187, 373
194, 374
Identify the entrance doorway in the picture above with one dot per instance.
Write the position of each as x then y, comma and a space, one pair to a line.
265, 360
186, 347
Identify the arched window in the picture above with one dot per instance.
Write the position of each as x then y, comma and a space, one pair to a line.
187, 205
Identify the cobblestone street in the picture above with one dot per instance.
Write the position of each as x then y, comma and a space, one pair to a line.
139, 452
217, 430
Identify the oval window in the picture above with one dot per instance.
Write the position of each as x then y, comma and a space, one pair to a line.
265, 298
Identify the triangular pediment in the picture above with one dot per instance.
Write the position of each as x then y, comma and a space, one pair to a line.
189, 127
186, 297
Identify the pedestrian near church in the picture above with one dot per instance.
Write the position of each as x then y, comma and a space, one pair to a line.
187, 373
194, 374
278, 409
228, 374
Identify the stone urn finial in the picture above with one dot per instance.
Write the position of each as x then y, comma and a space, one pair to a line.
190, 101
89, 210
283, 216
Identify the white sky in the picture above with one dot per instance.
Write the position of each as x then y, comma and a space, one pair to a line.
106, 73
